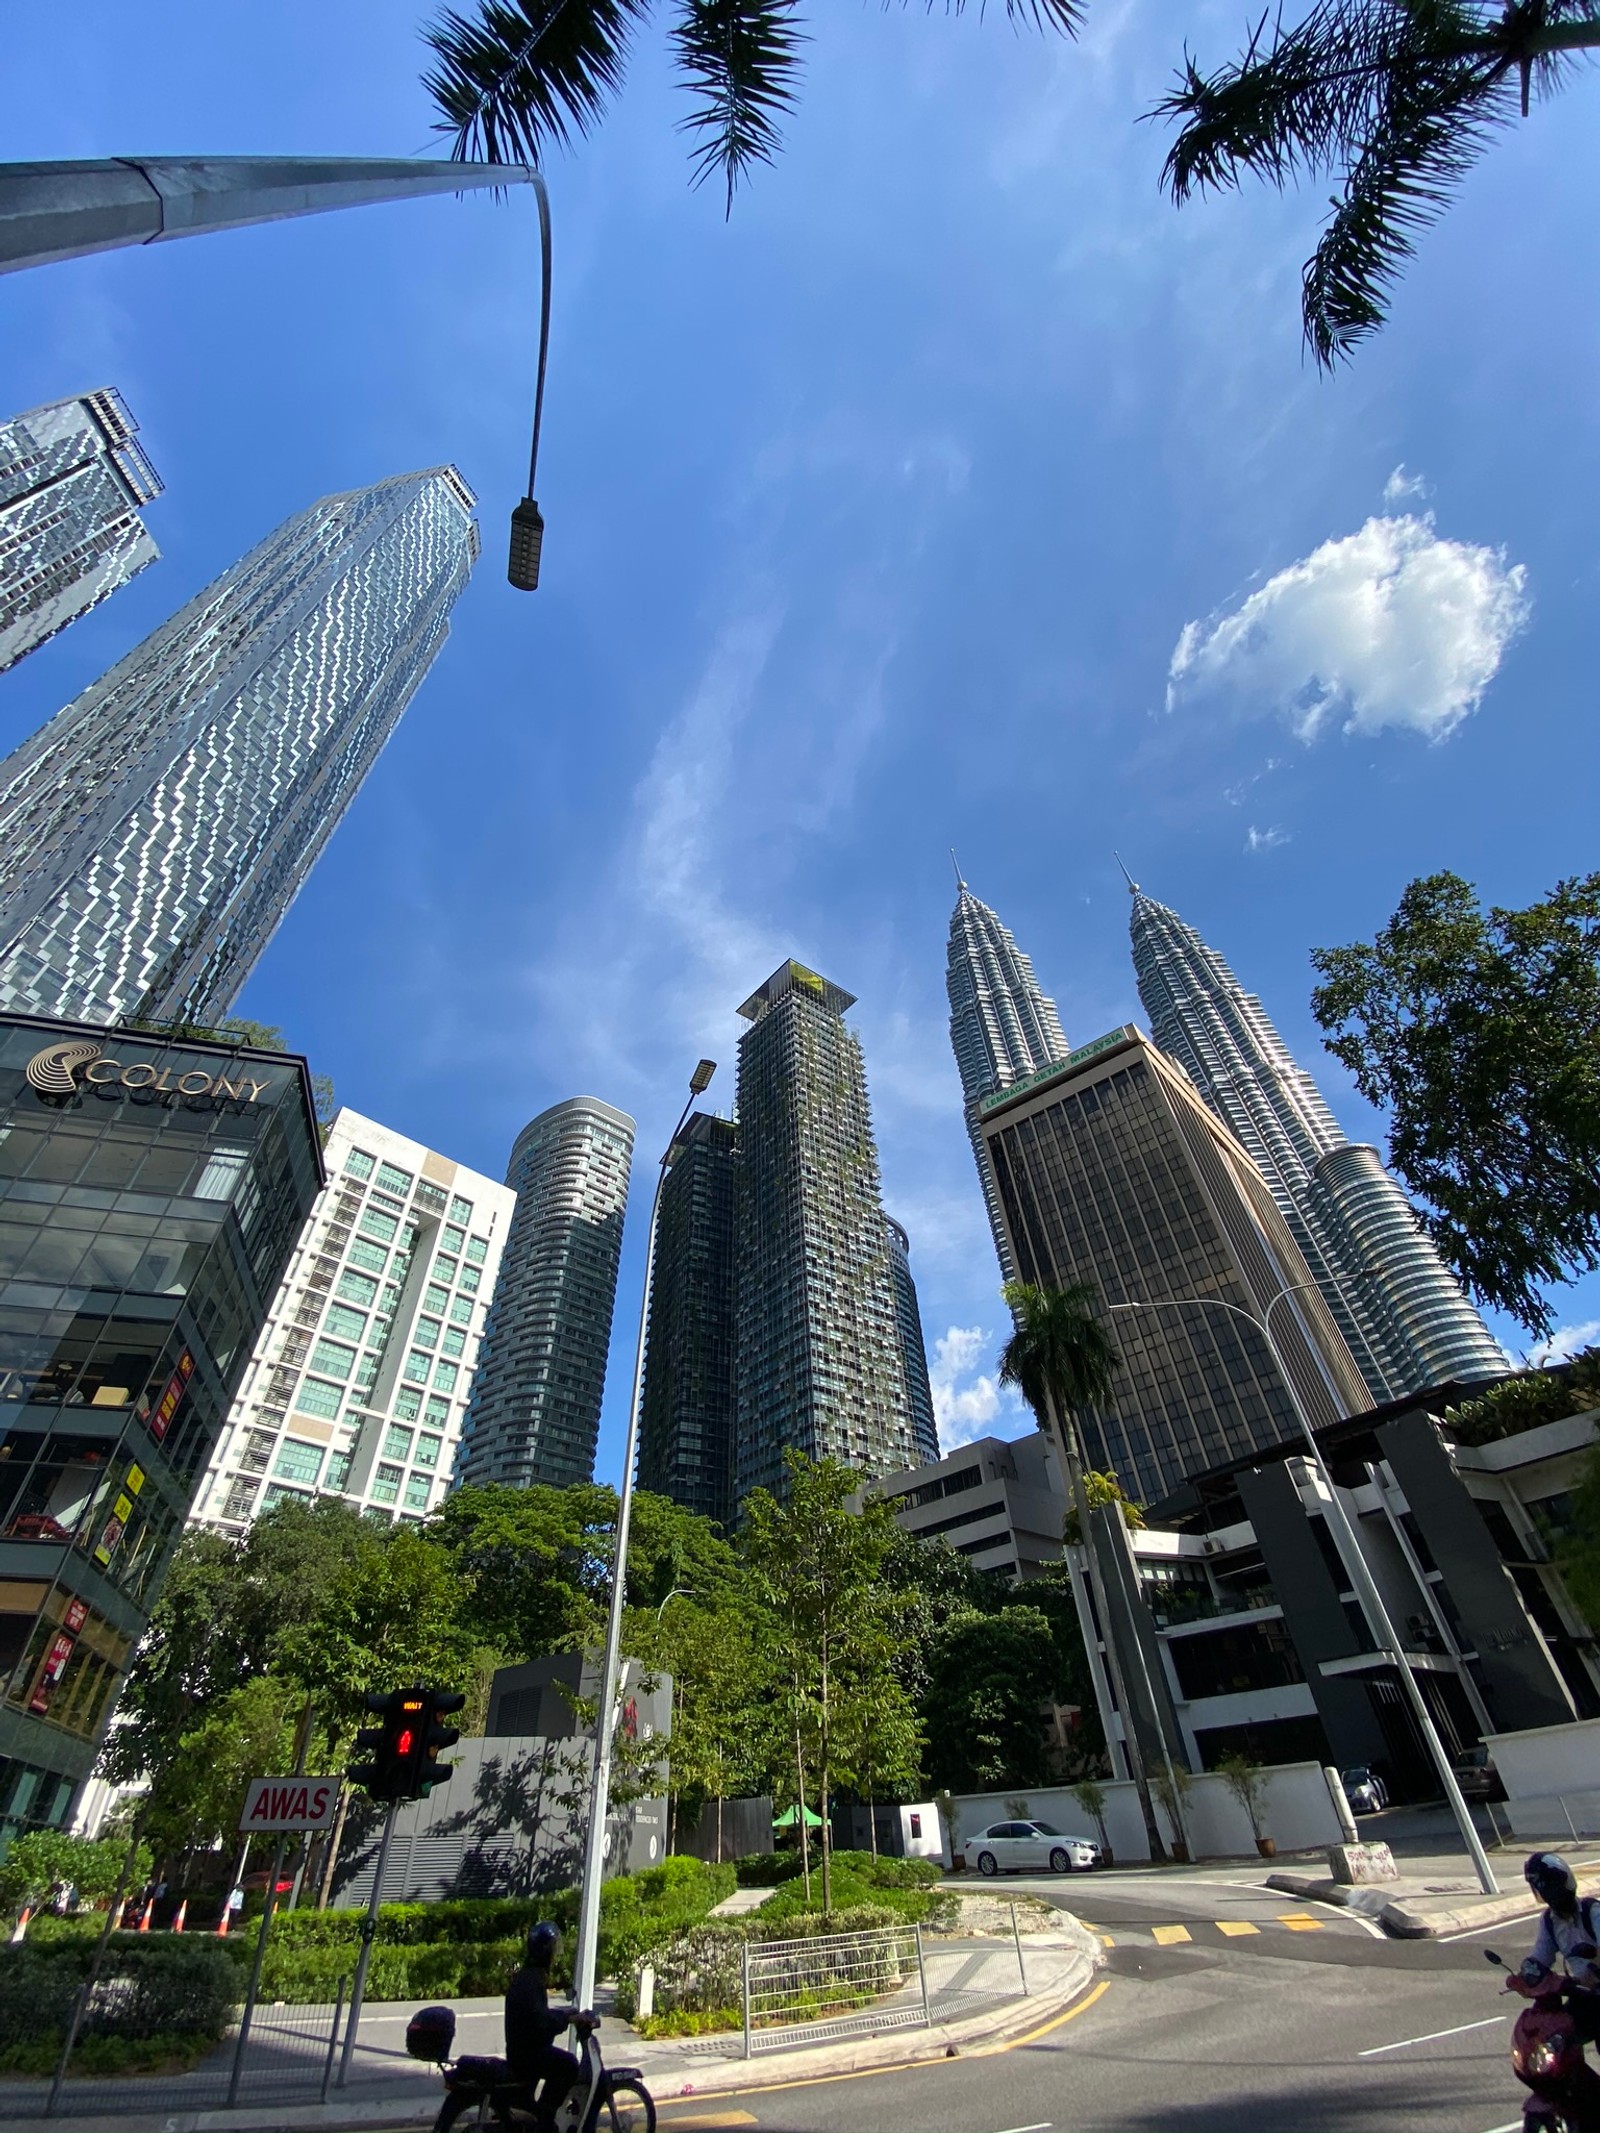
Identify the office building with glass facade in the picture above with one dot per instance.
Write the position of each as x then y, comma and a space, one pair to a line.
535, 1408
154, 832
1113, 1173
820, 1364
358, 1384
151, 1192
1002, 1028
1401, 1312
72, 480
913, 1349
687, 1413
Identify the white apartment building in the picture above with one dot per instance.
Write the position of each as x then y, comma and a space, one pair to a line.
359, 1382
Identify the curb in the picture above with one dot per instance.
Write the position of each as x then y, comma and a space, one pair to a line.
905, 2048
1417, 1917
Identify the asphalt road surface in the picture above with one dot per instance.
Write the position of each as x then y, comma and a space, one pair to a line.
1223, 2008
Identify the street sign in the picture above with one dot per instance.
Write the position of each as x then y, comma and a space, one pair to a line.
281, 1806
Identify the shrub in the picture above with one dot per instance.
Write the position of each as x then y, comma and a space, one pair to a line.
766, 1870
173, 1996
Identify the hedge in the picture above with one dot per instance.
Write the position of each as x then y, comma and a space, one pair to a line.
171, 1998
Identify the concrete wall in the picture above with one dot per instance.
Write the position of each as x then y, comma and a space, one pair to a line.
1552, 1778
1297, 1812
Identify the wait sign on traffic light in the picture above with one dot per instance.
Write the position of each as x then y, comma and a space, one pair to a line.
403, 1749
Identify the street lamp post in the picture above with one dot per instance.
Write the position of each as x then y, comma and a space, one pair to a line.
605, 1724
1372, 1604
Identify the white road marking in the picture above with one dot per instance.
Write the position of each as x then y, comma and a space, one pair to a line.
1432, 2037
1042, 2127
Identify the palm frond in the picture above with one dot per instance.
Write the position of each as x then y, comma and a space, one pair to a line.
1063, 16
520, 73
1420, 150
740, 59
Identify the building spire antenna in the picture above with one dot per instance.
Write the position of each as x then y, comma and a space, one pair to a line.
1133, 886
960, 884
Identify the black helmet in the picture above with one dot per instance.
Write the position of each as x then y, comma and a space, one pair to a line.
543, 1941
1552, 1881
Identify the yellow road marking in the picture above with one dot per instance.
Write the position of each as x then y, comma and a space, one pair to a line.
1299, 1922
1234, 1926
1106, 1941
707, 2120
1164, 1936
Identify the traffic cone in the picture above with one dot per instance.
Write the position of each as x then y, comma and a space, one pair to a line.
183, 1912
145, 1916
20, 1930
222, 1922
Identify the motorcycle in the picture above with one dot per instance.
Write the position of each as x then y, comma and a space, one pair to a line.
1547, 2053
602, 2100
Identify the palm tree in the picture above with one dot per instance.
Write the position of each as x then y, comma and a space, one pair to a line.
514, 75
1398, 98
1061, 1360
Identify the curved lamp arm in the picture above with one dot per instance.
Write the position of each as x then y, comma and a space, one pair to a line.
527, 525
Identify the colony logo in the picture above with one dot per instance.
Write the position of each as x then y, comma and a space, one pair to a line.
54, 1071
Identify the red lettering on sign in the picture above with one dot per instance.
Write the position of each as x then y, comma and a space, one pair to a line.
167, 1405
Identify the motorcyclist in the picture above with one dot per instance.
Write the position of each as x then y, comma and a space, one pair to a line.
533, 2024
1570, 1929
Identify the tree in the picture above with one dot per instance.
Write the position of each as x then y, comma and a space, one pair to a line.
1479, 1033
989, 1676
194, 1802
43, 1861
514, 76
1397, 98
1101, 1489
1245, 1779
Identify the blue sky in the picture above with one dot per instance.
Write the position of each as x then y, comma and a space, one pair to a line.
958, 491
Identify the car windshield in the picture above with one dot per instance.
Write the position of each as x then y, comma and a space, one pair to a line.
1048, 1829
1361, 1776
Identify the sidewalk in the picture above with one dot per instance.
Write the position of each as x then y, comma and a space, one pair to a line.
1437, 1896
975, 1996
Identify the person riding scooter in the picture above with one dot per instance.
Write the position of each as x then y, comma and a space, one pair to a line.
532, 2026
1569, 1929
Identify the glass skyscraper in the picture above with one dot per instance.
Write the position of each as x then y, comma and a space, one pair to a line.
1002, 1026
820, 1363
535, 1408
1402, 1314
154, 833
72, 479
913, 1347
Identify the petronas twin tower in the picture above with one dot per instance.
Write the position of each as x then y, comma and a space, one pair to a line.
1404, 1319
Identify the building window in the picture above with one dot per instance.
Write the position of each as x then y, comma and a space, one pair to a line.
428, 1450
275, 1494
446, 1269
435, 1298
368, 1255
318, 1398
406, 1403
417, 1366
461, 1310
477, 1250
338, 1470
426, 1333
444, 1377
452, 1239
386, 1484
418, 1487
333, 1357
297, 1461
349, 1325
358, 1164
470, 1277
375, 1223
438, 1411
454, 1341
393, 1179
224, 1168
460, 1210
356, 1288
397, 1443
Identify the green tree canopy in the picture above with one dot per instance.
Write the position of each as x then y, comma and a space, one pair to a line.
988, 1678
1478, 1032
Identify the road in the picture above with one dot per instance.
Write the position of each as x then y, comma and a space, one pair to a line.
1223, 2008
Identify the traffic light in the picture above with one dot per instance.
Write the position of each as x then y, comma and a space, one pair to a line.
439, 1703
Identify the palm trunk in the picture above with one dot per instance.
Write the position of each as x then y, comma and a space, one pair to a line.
1066, 1435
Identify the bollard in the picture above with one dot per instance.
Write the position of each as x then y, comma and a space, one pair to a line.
744, 1966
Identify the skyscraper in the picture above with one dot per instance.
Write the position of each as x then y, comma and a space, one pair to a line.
154, 833
686, 1417
1401, 1312
1002, 1026
913, 1348
72, 479
820, 1364
1113, 1173
360, 1377
535, 1408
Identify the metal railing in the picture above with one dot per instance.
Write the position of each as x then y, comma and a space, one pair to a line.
833, 1984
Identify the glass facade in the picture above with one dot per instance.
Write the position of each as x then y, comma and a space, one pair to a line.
686, 1420
1113, 1173
1002, 1027
154, 832
335, 1384
150, 1196
820, 1365
1402, 1314
72, 479
535, 1409
913, 1349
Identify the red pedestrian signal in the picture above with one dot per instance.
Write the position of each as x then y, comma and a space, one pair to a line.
403, 1751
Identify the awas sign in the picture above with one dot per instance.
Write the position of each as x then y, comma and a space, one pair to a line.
281, 1806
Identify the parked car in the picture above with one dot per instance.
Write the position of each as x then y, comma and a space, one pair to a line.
1365, 1790
1476, 1775
1017, 1847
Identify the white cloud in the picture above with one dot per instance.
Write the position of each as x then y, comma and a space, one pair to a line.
967, 1401
1264, 840
1404, 488
1564, 1344
1391, 626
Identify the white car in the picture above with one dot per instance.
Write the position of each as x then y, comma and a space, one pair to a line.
1014, 1847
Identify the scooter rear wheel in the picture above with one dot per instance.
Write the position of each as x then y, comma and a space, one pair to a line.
629, 2108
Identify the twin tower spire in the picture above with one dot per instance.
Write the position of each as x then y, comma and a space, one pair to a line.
1403, 1316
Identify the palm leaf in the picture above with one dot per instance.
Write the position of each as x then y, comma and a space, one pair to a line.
740, 58
1064, 16
520, 73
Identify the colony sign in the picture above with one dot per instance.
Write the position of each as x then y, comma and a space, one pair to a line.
61, 1069
282, 1806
